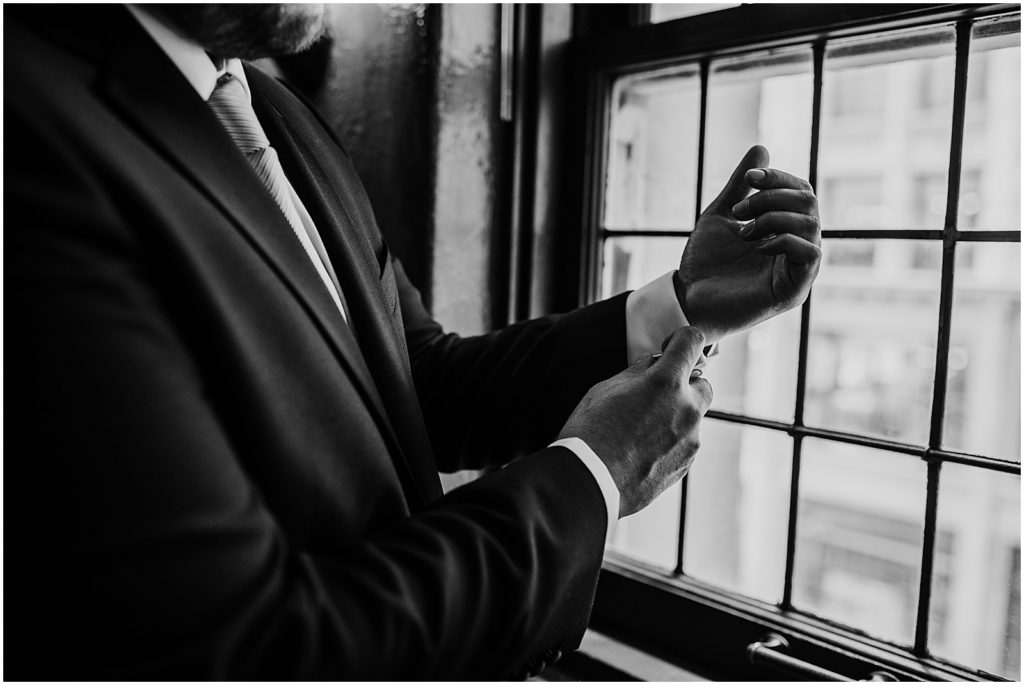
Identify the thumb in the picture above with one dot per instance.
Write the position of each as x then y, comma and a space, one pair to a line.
681, 352
736, 189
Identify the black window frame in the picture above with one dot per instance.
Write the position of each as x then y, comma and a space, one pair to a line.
680, 618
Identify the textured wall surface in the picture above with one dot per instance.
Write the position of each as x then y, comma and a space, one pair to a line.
377, 92
412, 92
469, 167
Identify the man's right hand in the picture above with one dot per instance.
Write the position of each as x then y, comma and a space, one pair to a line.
644, 422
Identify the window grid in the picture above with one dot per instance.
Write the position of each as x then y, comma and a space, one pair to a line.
933, 453
705, 66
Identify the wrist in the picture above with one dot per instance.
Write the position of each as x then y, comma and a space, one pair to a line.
712, 333
680, 288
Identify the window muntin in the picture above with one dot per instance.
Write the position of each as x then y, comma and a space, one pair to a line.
919, 222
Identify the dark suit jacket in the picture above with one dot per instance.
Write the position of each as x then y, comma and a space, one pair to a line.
207, 475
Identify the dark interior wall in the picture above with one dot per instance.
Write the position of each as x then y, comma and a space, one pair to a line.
373, 80
412, 91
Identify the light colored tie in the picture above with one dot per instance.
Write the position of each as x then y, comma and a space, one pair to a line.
230, 103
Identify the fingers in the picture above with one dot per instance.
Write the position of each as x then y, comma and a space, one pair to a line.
680, 353
737, 187
775, 200
804, 226
797, 250
764, 179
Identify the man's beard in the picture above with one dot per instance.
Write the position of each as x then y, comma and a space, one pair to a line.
248, 31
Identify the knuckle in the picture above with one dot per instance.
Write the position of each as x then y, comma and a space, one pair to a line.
812, 224
691, 415
807, 200
690, 444
694, 335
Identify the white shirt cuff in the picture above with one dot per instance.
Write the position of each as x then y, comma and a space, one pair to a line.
601, 475
652, 314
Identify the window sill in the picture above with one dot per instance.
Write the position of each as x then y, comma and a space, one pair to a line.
602, 658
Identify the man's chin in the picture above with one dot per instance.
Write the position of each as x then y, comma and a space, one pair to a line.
300, 26
249, 31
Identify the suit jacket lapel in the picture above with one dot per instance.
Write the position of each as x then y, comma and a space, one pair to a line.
333, 197
157, 100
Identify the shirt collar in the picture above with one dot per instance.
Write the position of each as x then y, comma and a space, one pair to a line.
191, 60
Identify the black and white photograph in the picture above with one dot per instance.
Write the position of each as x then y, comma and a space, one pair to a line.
539, 341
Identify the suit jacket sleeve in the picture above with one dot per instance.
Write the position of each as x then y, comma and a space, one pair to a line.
490, 398
138, 545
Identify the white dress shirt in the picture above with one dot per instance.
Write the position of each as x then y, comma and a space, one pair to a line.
652, 312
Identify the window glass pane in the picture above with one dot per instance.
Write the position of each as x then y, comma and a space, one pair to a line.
874, 323
651, 178
764, 98
975, 611
631, 262
666, 11
990, 190
859, 532
738, 509
886, 120
755, 372
652, 534
983, 390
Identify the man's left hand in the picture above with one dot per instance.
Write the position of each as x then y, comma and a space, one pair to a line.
735, 274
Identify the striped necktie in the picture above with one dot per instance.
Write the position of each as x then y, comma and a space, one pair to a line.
230, 102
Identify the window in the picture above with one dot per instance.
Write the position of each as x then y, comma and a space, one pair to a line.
858, 487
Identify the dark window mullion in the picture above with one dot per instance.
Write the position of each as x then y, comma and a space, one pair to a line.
988, 236
701, 133
805, 334
705, 68
645, 233
963, 43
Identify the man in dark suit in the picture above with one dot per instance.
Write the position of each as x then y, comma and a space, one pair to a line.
227, 406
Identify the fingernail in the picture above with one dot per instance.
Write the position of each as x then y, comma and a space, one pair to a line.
739, 207
747, 230
767, 239
756, 174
